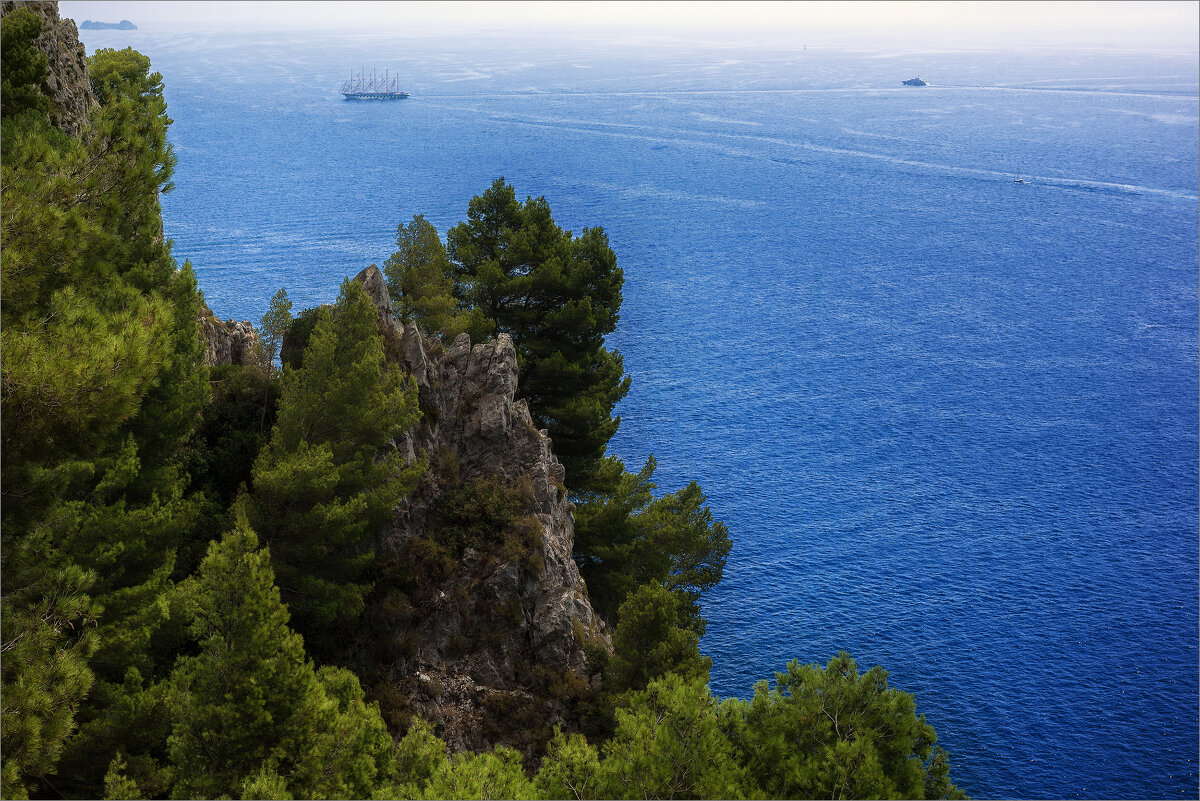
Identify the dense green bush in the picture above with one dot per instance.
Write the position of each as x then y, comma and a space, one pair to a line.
320, 488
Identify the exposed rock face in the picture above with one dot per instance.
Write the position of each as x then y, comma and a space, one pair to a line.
375, 285
227, 342
492, 645
534, 623
67, 82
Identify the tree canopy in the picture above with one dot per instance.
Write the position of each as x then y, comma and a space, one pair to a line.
320, 487
509, 268
654, 638
23, 67
833, 732
250, 708
421, 282
102, 387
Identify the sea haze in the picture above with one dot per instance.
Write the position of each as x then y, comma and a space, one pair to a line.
950, 418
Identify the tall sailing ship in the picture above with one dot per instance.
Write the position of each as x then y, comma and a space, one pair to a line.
373, 87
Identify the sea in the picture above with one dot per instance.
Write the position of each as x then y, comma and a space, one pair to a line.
932, 353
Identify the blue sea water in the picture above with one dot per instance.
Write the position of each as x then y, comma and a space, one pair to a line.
951, 420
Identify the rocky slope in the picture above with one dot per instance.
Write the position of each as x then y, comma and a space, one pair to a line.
499, 642
67, 81
228, 341
485, 639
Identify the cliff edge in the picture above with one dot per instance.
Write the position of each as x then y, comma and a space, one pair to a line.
67, 82
226, 341
491, 638
480, 620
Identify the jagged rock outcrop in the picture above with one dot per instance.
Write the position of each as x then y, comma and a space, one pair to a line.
67, 82
228, 342
375, 285
498, 631
487, 639
480, 431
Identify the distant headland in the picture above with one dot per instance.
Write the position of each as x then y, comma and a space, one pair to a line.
123, 25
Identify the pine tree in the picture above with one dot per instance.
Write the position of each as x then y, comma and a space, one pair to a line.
653, 638
557, 296
669, 744
627, 538
493, 774
421, 282
250, 710
570, 769
47, 625
274, 324
102, 385
236, 702
23, 67
323, 485
418, 755
835, 733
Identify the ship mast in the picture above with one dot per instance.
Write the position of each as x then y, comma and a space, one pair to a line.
377, 86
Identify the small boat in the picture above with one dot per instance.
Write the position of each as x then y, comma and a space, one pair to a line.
1018, 180
915, 82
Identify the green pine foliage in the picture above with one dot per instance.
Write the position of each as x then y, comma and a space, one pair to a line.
495, 774
23, 68
266, 784
821, 733
683, 547
570, 769
416, 758
627, 538
421, 768
274, 325
218, 458
47, 623
233, 428
102, 386
420, 280
238, 701
251, 712
669, 744
833, 732
323, 486
654, 637
558, 296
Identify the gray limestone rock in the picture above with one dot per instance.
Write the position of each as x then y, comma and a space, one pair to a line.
375, 284
474, 428
67, 81
228, 342
493, 626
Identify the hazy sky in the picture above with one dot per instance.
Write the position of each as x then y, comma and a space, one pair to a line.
1140, 25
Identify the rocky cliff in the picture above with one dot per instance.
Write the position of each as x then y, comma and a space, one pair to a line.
67, 82
228, 341
490, 639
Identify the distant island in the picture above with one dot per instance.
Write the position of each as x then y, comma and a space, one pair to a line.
123, 25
